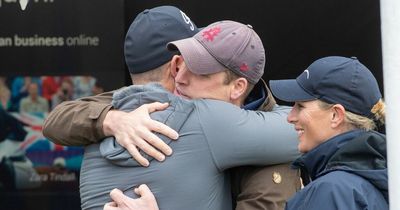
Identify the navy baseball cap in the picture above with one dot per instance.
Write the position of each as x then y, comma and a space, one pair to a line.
335, 80
147, 37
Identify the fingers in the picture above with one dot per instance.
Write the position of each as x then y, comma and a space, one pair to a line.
156, 106
117, 196
132, 149
133, 142
146, 142
110, 206
144, 191
163, 129
157, 126
135, 131
157, 143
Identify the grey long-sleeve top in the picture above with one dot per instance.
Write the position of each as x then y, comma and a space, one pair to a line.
214, 136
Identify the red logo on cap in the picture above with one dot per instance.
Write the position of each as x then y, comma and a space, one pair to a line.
244, 67
211, 33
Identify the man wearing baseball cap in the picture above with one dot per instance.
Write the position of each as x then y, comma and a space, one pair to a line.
219, 48
214, 135
91, 119
139, 68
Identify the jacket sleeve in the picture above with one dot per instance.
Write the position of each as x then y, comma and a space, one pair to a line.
80, 122
238, 137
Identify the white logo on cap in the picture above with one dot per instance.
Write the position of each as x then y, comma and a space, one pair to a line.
308, 73
187, 20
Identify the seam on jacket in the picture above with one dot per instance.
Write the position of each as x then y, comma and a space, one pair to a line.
205, 137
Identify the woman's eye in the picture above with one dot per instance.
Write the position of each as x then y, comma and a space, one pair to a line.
299, 106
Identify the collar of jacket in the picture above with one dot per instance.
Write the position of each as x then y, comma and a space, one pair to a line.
260, 98
314, 162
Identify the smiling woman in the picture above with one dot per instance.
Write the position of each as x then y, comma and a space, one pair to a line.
308, 117
337, 102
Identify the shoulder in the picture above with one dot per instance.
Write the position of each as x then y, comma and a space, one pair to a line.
214, 115
328, 184
338, 181
215, 111
210, 107
214, 105
339, 187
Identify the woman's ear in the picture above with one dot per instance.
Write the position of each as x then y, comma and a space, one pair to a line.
176, 64
338, 115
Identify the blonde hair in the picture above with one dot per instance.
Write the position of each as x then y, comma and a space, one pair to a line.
362, 122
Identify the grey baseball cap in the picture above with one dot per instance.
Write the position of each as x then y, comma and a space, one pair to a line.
224, 45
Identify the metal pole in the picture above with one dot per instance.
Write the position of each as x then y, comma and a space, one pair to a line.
390, 28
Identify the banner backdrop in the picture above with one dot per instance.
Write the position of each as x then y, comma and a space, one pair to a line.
63, 37
51, 51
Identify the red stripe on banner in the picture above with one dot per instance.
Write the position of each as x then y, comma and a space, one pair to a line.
28, 141
58, 147
37, 127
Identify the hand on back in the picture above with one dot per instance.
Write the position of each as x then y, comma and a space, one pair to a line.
134, 130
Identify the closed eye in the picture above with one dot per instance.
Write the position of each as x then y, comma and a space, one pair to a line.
299, 105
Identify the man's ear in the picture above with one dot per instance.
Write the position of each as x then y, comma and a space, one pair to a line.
176, 64
239, 87
338, 115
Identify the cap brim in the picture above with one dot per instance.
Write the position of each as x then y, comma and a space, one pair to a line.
289, 90
197, 58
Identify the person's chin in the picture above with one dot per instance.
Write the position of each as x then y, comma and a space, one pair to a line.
302, 148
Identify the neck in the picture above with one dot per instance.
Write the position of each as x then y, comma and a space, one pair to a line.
238, 103
343, 128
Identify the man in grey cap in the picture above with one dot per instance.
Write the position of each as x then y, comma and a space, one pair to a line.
98, 112
214, 135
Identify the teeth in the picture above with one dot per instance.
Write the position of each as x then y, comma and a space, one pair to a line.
300, 132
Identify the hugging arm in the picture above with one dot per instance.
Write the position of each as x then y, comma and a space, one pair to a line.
238, 137
90, 119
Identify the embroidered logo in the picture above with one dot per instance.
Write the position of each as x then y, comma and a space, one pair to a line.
187, 20
244, 67
308, 73
211, 33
